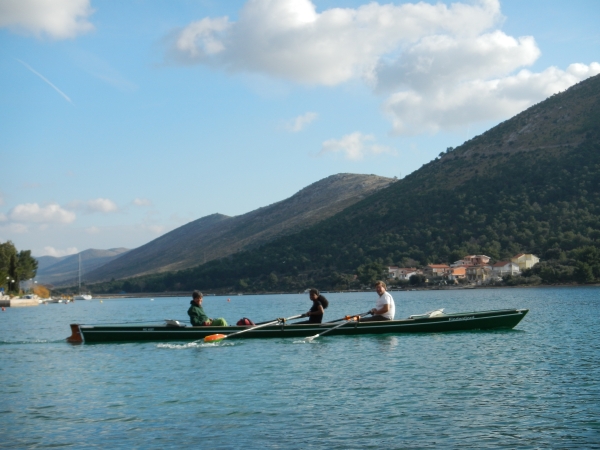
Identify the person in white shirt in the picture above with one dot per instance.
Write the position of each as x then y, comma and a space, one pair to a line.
385, 309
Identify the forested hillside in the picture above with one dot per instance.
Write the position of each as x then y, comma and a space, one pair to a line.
530, 184
217, 236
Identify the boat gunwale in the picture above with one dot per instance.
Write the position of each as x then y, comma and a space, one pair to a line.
166, 332
445, 317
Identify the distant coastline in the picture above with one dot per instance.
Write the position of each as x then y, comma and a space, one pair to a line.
366, 291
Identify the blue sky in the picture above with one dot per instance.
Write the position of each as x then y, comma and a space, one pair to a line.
120, 121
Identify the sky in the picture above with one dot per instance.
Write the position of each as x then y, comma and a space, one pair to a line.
121, 121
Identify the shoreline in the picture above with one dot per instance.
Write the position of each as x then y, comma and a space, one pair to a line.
245, 294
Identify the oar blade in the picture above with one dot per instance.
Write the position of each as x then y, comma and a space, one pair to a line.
213, 338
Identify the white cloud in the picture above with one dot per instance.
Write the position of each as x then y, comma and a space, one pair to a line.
51, 251
354, 146
300, 122
59, 19
289, 39
3, 217
92, 230
101, 205
32, 212
447, 60
141, 202
156, 229
441, 66
449, 106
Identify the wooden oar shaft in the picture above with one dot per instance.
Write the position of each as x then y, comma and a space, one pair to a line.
253, 328
350, 319
256, 327
333, 328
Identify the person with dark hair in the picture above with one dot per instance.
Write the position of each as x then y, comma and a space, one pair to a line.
385, 309
197, 315
320, 303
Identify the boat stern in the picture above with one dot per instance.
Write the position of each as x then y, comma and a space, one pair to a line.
76, 336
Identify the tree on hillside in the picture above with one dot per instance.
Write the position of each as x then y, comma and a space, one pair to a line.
369, 273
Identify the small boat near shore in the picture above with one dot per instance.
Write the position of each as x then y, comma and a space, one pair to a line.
79, 295
172, 330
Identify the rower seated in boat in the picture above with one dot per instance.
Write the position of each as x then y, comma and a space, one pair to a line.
197, 315
385, 309
320, 303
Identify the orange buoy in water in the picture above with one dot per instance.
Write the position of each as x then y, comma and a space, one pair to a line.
215, 338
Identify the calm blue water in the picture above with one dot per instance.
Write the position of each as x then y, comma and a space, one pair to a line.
537, 386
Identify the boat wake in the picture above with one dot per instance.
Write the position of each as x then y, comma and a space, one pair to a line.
196, 344
34, 341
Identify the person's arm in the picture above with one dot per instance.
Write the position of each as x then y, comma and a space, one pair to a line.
318, 312
197, 318
378, 312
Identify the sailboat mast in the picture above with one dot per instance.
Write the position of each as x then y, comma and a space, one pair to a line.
80, 273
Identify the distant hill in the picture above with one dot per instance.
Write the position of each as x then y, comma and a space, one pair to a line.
65, 269
530, 184
216, 236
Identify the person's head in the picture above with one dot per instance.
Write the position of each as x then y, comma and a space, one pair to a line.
380, 287
315, 295
197, 297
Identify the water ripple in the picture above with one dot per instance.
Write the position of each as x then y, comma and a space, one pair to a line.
534, 387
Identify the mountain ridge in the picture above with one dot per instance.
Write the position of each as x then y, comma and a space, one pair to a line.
56, 270
217, 236
531, 184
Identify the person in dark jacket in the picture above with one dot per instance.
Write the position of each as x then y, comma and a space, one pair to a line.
197, 315
315, 313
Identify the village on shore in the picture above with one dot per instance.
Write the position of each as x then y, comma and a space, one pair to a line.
472, 269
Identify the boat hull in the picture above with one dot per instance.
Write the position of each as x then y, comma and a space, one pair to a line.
482, 320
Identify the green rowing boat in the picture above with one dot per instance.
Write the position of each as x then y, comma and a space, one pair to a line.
436, 322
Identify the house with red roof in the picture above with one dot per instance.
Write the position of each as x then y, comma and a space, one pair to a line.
476, 260
436, 270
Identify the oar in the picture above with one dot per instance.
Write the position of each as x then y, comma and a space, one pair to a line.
347, 319
220, 337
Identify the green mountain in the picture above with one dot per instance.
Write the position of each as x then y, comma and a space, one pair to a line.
217, 236
530, 184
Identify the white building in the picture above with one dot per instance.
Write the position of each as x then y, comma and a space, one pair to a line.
525, 260
502, 268
401, 273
